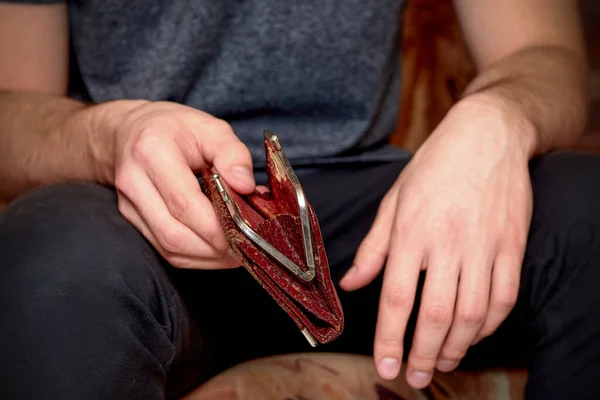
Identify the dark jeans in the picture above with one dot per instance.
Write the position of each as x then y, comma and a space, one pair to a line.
90, 311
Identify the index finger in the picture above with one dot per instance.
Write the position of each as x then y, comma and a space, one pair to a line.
396, 302
181, 192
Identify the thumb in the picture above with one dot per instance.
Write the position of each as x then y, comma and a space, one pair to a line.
372, 252
222, 149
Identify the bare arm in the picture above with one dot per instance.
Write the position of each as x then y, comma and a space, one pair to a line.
528, 98
148, 151
46, 139
44, 136
34, 42
531, 56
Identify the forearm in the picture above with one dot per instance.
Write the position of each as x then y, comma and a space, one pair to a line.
546, 86
46, 139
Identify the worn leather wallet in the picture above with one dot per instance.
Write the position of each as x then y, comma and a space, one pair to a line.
276, 235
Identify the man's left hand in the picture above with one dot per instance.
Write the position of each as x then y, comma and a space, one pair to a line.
460, 210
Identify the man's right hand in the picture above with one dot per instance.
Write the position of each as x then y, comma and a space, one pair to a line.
158, 146
149, 151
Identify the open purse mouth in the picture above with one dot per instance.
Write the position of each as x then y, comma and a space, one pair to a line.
260, 218
277, 236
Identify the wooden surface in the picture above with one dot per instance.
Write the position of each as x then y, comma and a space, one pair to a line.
349, 377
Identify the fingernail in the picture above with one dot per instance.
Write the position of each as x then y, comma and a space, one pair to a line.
446, 365
388, 367
350, 273
262, 189
242, 172
419, 379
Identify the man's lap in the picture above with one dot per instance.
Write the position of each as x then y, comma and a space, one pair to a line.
245, 323
346, 202
84, 299
565, 224
238, 320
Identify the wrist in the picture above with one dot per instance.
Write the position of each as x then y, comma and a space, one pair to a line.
104, 121
508, 115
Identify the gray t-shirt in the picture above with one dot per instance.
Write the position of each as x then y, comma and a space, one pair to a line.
324, 75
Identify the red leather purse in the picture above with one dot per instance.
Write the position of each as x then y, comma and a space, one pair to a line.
277, 237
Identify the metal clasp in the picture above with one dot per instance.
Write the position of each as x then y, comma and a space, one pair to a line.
284, 165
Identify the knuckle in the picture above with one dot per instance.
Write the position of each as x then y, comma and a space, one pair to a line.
221, 126
389, 345
145, 146
170, 240
519, 243
236, 147
371, 253
453, 353
180, 262
386, 202
402, 229
213, 234
218, 243
421, 362
173, 260
237, 153
485, 332
438, 316
123, 207
178, 205
516, 235
397, 298
122, 180
410, 206
471, 316
505, 301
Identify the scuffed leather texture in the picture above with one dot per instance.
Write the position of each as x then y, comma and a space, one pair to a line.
274, 215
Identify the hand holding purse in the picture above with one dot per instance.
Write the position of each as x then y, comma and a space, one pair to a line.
276, 236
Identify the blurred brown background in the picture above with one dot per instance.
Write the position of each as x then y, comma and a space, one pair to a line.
436, 68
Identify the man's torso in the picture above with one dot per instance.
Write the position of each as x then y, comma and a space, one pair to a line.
323, 75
